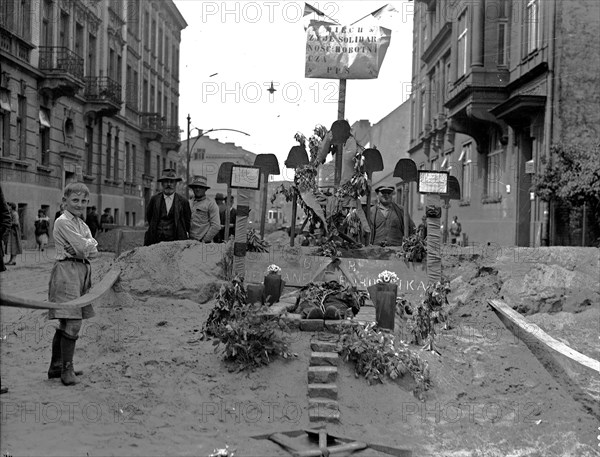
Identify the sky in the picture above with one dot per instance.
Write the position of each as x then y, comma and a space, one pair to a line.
231, 51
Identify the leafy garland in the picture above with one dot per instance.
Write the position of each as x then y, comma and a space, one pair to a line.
251, 337
376, 354
429, 312
305, 182
414, 248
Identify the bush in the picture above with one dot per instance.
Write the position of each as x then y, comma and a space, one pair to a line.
250, 337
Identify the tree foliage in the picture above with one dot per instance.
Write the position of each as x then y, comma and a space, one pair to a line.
572, 175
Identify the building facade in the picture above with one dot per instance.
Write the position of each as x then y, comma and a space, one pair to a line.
495, 84
90, 93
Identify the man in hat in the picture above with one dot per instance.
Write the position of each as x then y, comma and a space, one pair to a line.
168, 213
388, 219
220, 200
206, 222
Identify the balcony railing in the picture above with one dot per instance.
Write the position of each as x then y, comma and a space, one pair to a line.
171, 133
151, 121
61, 59
102, 88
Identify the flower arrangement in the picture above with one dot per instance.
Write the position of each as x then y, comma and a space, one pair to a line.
273, 268
387, 277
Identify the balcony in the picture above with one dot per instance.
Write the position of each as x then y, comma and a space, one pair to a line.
102, 96
63, 72
170, 140
152, 126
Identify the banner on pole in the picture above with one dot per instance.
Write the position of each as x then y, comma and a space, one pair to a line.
345, 52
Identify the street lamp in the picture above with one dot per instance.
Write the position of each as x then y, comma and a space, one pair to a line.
201, 133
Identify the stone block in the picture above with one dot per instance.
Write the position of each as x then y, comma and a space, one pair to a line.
322, 375
319, 414
323, 346
319, 390
311, 325
323, 358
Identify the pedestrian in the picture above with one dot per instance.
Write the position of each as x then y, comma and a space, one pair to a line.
206, 221
106, 219
5, 225
93, 221
70, 278
168, 213
455, 230
232, 217
61, 209
42, 230
388, 219
13, 241
422, 229
220, 201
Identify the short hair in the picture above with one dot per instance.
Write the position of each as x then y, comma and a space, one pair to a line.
93, 208
76, 188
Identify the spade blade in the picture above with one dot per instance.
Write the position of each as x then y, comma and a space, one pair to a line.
268, 163
296, 157
406, 169
373, 161
224, 174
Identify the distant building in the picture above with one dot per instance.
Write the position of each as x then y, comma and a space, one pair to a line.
494, 85
206, 157
89, 92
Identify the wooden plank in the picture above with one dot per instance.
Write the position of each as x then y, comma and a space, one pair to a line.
95, 294
542, 337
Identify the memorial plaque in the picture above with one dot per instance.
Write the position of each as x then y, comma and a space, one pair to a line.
245, 177
433, 182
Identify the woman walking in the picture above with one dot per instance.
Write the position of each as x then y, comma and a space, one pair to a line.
42, 230
13, 243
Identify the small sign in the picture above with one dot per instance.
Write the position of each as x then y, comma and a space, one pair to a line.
529, 167
432, 182
245, 177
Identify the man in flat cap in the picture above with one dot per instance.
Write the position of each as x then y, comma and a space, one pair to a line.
388, 219
205, 212
168, 213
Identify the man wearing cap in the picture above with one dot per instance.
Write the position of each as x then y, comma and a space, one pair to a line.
220, 199
168, 213
388, 219
206, 222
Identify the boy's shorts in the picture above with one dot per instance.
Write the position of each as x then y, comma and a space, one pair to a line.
70, 280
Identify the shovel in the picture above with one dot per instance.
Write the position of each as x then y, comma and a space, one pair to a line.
224, 177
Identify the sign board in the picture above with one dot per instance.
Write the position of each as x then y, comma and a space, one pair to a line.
529, 167
245, 177
345, 52
432, 182
299, 267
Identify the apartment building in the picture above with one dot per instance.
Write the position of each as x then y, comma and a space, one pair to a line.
494, 84
89, 92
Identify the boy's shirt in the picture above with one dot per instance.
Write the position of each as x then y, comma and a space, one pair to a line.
70, 229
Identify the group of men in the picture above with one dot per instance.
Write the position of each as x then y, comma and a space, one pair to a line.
171, 217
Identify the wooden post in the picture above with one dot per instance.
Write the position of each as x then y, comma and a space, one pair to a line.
227, 215
263, 210
241, 231
340, 147
293, 226
434, 250
405, 201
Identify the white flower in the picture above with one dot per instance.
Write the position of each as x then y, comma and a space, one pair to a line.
386, 277
273, 268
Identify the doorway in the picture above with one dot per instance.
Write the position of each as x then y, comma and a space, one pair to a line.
523, 191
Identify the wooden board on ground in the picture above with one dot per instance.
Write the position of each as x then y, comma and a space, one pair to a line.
299, 267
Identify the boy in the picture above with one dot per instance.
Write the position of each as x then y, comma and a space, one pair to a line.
70, 278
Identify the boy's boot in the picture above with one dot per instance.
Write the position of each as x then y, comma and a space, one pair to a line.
56, 362
67, 346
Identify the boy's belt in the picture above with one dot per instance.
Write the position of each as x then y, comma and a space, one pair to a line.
75, 259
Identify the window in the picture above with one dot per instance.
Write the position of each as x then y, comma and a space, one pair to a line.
127, 176
167, 45
147, 160
160, 44
157, 165
502, 44
108, 154
79, 39
159, 100
493, 167
133, 218
153, 38
5, 110
21, 127
145, 97
24, 25
133, 164
116, 158
91, 57
89, 147
466, 172
47, 21
199, 154
63, 35
531, 25
147, 26
462, 49
44, 140
152, 105
126, 217
422, 117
